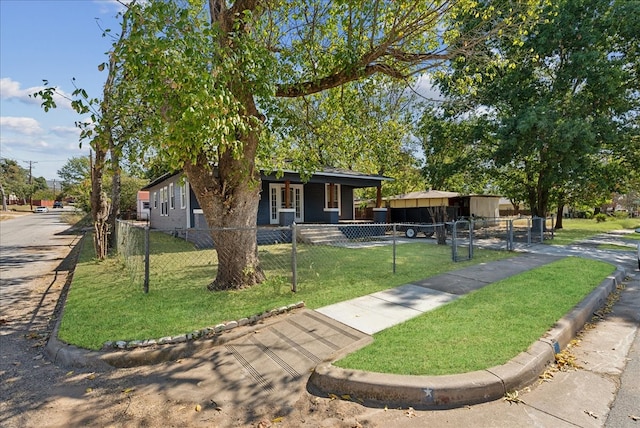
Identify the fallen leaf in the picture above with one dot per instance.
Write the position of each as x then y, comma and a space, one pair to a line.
69, 373
277, 420
333, 396
512, 397
88, 390
346, 397
127, 390
198, 408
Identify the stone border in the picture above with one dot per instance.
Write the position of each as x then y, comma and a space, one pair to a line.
135, 353
449, 391
204, 333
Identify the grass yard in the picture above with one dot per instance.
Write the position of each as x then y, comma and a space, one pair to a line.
104, 305
485, 328
578, 229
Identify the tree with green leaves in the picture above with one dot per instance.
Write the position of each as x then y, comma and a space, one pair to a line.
112, 117
211, 74
560, 100
454, 150
14, 180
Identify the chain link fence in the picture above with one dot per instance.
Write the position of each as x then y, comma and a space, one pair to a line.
292, 256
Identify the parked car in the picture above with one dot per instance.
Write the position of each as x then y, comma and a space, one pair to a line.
57, 204
41, 210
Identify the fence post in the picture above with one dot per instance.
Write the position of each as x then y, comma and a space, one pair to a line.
510, 243
394, 247
454, 243
146, 258
294, 262
471, 232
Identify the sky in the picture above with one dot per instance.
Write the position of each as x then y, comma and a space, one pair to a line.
54, 40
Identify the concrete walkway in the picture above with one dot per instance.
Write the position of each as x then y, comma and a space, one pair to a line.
378, 311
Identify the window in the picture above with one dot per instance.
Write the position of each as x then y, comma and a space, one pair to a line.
332, 196
164, 202
183, 195
172, 197
155, 200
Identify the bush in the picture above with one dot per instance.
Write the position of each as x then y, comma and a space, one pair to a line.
621, 215
600, 217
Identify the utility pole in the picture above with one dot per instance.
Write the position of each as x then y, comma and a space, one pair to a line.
30, 187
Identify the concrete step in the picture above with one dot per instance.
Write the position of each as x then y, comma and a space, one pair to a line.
321, 235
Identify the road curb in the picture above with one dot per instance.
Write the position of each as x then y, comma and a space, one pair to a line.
449, 391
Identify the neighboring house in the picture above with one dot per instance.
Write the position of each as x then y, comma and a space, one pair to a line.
416, 207
142, 205
327, 197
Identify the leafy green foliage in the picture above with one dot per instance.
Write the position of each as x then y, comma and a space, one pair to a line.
560, 100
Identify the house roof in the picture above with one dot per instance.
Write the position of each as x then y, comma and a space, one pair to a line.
160, 179
325, 172
342, 173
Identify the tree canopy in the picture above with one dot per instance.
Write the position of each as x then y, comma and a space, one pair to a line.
561, 102
204, 86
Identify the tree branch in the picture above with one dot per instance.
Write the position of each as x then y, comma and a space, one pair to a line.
351, 74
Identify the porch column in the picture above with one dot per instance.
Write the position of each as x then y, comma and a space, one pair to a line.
379, 196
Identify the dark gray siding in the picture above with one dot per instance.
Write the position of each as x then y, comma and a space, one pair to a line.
314, 203
346, 202
263, 205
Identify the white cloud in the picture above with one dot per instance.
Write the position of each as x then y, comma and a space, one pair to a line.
21, 125
424, 86
66, 131
11, 90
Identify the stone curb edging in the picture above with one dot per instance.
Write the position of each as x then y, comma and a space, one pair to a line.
139, 353
449, 391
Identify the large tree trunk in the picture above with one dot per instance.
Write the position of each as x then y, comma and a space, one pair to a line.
229, 200
114, 210
559, 217
99, 206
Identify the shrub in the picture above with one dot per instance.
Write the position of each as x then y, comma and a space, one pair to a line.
600, 217
621, 215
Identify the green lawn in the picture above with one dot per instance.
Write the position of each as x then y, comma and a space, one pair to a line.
575, 230
103, 303
484, 328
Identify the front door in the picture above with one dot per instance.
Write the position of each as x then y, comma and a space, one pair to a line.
277, 200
